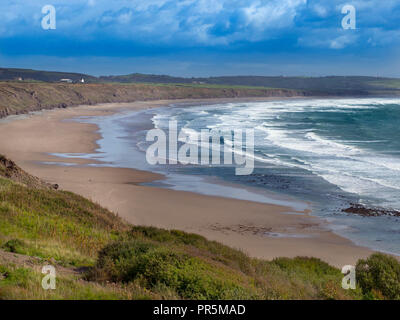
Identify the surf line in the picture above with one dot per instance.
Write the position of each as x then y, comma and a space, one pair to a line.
237, 147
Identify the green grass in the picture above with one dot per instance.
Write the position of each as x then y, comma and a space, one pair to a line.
379, 277
54, 224
199, 85
184, 263
182, 273
135, 262
25, 283
386, 84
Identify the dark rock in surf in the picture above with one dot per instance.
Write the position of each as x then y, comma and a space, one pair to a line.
370, 212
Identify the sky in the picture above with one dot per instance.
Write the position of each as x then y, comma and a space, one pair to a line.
203, 37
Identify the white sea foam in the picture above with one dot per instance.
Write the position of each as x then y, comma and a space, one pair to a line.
305, 141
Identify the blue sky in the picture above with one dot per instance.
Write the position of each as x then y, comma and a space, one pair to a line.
203, 37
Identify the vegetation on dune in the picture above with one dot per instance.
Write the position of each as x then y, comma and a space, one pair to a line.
99, 256
53, 224
172, 271
180, 265
38, 220
20, 283
379, 277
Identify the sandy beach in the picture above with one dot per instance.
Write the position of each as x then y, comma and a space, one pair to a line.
29, 139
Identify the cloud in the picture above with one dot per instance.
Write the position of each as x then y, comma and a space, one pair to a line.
341, 42
320, 39
217, 21
228, 24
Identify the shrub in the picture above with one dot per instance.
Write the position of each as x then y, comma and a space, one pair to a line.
174, 236
212, 249
311, 267
379, 276
158, 266
311, 276
14, 245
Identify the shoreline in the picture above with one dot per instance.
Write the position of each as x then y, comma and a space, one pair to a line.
261, 230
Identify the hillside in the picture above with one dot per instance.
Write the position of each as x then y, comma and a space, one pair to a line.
22, 97
99, 256
328, 85
331, 85
10, 74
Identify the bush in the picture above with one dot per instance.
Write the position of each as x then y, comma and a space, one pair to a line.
14, 245
157, 266
307, 266
212, 249
379, 277
174, 236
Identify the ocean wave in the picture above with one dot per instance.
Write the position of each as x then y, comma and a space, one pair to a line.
309, 142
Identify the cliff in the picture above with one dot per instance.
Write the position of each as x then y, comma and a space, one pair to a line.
23, 97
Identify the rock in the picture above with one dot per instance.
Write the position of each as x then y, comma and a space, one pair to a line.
370, 212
